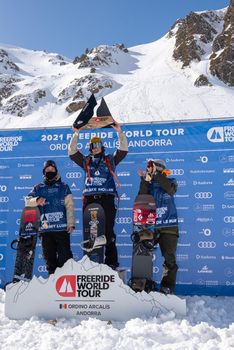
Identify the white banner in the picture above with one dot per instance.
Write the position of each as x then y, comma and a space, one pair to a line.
85, 289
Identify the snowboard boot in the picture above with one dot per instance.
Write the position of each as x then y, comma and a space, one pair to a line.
165, 290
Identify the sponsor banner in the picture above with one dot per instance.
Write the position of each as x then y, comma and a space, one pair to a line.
200, 157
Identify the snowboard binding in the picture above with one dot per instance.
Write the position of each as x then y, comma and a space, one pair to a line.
90, 244
143, 284
143, 240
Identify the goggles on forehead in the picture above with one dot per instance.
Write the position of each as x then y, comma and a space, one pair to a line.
157, 164
96, 145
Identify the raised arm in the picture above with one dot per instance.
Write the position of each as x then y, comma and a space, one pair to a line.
73, 151
122, 150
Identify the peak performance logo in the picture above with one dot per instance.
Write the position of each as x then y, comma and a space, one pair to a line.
3, 188
221, 134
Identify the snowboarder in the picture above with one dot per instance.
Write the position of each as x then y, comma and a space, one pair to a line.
156, 182
100, 182
56, 206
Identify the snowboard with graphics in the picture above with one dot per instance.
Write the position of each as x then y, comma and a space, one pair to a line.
94, 232
144, 216
25, 245
86, 120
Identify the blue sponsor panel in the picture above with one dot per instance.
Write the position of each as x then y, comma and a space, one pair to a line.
201, 158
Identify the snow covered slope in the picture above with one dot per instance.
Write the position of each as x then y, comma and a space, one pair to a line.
169, 79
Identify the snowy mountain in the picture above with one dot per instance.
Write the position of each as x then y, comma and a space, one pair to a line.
187, 74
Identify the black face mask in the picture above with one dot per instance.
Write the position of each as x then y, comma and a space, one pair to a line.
50, 175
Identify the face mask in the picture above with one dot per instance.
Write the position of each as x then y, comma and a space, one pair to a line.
50, 175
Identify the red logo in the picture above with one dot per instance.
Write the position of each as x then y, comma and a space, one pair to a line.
30, 215
66, 286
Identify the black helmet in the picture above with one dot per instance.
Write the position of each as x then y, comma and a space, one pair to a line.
49, 163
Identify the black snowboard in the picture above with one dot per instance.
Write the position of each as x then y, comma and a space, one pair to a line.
86, 113
144, 215
26, 244
94, 232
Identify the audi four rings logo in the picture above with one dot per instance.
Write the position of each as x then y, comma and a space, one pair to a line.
123, 220
73, 175
42, 268
4, 199
207, 244
177, 172
3, 188
203, 195
228, 219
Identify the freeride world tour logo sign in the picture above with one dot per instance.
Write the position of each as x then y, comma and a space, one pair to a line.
221, 134
66, 286
91, 286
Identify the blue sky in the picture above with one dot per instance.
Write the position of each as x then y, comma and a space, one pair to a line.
69, 27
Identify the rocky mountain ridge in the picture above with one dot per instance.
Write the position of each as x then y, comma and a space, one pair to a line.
207, 34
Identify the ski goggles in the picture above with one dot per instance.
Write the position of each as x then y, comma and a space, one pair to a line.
159, 166
95, 145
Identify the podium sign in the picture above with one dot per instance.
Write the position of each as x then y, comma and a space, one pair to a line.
82, 290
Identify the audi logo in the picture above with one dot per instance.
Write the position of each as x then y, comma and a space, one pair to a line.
1, 257
228, 219
3, 188
203, 195
4, 199
124, 220
73, 175
177, 172
207, 244
42, 268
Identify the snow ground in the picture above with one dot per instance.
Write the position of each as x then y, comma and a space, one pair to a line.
209, 325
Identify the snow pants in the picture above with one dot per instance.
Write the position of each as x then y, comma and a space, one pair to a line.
168, 244
56, 249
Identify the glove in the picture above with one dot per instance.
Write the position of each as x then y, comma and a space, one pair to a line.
150, 171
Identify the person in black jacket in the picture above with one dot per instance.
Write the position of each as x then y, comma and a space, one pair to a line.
155, 181
100, 182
